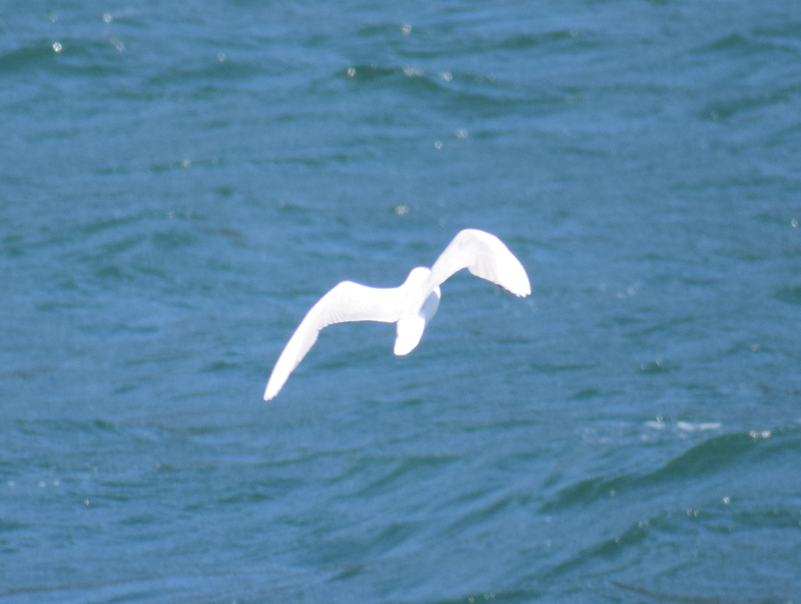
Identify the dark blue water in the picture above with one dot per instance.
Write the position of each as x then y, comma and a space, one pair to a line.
181, 182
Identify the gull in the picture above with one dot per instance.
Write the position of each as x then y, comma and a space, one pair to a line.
411, 306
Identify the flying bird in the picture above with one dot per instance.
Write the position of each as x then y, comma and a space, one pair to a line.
411, 306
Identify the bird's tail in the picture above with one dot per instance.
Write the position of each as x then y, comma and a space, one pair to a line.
411, 327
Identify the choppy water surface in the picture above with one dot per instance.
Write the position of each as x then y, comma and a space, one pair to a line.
180, 182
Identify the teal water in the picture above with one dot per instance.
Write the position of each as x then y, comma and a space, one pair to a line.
179, 183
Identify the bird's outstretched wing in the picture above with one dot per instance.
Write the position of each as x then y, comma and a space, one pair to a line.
485, 256
348, 301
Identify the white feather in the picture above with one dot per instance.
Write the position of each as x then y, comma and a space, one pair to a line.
411, 306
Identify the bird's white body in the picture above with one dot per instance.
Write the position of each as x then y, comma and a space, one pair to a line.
411, 306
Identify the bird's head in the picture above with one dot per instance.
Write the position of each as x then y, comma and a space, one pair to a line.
417, 277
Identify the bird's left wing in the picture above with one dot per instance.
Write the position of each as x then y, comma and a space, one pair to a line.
348, 301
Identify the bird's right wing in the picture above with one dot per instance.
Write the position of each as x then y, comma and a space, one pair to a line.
348, 301
485, 256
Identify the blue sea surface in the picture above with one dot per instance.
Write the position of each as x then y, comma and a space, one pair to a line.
180, 182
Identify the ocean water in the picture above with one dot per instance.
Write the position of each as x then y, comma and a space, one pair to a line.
180, 183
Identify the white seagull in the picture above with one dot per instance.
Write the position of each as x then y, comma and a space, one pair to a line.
411, 306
